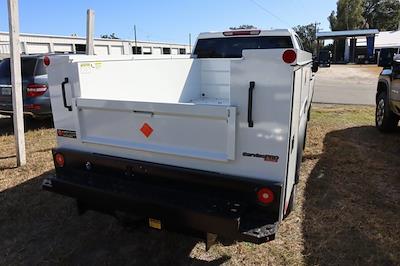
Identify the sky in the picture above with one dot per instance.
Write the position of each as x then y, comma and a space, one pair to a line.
169, 21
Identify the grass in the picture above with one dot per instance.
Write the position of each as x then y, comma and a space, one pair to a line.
334, 115
348, 207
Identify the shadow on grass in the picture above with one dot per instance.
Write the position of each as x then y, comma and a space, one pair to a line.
352, 200
38, 227
6, 124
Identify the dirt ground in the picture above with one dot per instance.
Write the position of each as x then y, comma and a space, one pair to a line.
348, 212
347, 84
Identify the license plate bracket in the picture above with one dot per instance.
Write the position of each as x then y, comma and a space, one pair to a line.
6, 91
154, 223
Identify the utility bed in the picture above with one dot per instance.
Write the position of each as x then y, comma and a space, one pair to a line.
209, 143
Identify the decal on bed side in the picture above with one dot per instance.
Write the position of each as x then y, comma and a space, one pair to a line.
266, 157
66, 133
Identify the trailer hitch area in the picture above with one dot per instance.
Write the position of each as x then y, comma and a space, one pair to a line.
267, 232
47, 183
81, 207
211, 239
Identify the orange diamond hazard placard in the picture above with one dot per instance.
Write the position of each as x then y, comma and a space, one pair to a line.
146, 129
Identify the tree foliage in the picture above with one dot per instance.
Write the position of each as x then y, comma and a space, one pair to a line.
364, 14
243, 27
382, 14
109, 36
332, 20
348, 16
307, 35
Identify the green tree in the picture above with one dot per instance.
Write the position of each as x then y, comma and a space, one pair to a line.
111, 36
382, 14
348, 16
373, 14
307, 35
333, 20
243, 27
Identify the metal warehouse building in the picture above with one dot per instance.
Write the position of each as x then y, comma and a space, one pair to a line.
37, 44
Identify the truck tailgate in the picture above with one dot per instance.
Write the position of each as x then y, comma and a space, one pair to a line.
193, 130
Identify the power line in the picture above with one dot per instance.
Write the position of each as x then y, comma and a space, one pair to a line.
269, 12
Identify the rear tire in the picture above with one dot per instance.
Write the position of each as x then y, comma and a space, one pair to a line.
385, 120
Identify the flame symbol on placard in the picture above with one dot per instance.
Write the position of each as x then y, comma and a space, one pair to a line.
147, 130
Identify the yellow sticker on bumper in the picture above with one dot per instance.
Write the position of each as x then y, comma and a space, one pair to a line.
156, 224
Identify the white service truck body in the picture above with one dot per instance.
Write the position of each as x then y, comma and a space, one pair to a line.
210, 142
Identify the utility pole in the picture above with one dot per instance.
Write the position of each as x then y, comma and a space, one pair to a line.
15, 65
90, 32
316, 24
190, 43
134, 29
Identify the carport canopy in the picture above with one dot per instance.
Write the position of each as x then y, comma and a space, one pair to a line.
350, 43
326, 35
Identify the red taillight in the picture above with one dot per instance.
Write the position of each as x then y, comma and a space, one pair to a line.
289, 56
32, 106
60, 132
35, 90
59, 159
265, 196
242, 32
46, 61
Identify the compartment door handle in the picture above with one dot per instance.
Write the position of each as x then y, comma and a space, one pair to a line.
69, 107
250, 104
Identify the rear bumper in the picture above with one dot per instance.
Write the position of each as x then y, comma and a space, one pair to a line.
33, 107
220, 205
173, 218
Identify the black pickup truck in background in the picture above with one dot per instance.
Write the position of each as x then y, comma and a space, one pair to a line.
325, 58
388, 94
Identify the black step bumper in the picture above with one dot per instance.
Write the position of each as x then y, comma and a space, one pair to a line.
182, 199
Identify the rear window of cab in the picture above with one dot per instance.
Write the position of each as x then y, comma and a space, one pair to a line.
233, 47
27, 67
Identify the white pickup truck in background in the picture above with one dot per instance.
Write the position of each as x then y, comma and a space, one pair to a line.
210, 143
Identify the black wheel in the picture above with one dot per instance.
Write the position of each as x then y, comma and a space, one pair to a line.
385, 120
292, 202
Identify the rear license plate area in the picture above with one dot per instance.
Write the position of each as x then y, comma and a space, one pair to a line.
6, 91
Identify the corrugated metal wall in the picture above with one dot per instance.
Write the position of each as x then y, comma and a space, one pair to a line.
33, 44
